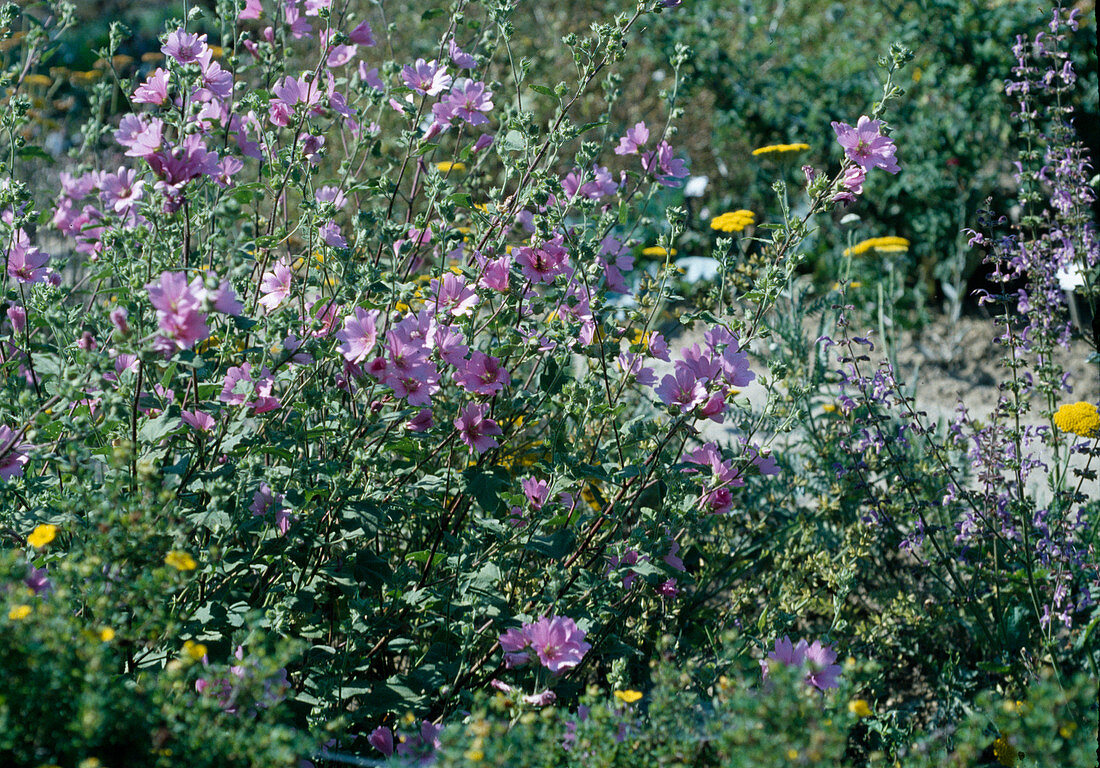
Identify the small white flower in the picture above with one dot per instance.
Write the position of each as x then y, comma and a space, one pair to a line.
696, 186
1071, 277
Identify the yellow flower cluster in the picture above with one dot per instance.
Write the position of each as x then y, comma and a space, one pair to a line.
181, 561
447, 166
859, 708
889, 244
733, 221
42, 535
194, 651
628, 696
1080, 418
779, 148
19, 612
656, 250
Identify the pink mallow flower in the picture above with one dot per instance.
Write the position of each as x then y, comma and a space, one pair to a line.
265, 501
866, 146
154, 90
14, 456
275, 286
476, 430
542, 263
359, 335
816, 659
184, 47
634, 140
426, 77
557, 641
483, 375
26, 263
178, 304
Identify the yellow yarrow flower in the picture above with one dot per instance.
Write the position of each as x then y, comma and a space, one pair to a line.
181, 561
891, 244
447, 165
771, 148
859, 708
656, 250
42, 535
35, 78
106, 635
1080, 418
628, 696
19, 612
194, 651
733, 221
1004, 752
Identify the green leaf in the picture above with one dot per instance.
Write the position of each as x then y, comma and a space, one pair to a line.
543, 90
513, 141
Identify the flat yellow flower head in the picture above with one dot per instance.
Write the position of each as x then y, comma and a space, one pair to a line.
106, 635
19, 612
1079, 418
889, 244
733, 221
656, 250
42, 535
1004, 752
774, 148
447, 166
859, 708
181, 561
194, 651
628, 696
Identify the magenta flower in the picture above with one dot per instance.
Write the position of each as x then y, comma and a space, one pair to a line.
461, 59
454, 295
634, 140
421, 422
238, 388
154, 90
17, 315
683, 390
184, 47
340, 55
426, 77
330, 235
542, 263
14, 456
217, 83
381, 738
476, 430
331, 195
359, 335
483, 375
141, 137
38, 581
816, 659
821, 672
468, 101
362, 35
198, 420
266, 501
536, 491
292, 91
26, 263
557, 641
866, 146
496, 272
252, 10
121, 191
668, 170
275, 286
178, 304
